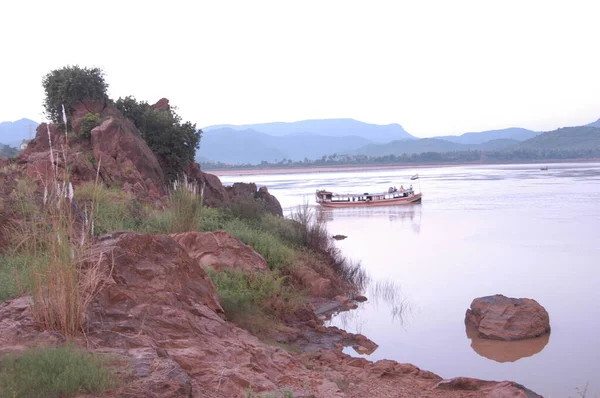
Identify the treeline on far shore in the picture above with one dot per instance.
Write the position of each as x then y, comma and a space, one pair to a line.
468, 156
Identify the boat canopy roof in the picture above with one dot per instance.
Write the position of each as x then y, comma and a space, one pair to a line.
323, 192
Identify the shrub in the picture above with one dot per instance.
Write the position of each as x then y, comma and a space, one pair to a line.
212, 219
54, 372
287, 229
90, 121
70, 85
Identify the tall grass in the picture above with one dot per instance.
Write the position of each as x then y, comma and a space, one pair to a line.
54, 372
113, 209
53, 236
314, 235
185, 209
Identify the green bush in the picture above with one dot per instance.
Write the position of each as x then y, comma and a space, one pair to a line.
273, 249
212, 219
69, 86
285, 228
54, 372
90, 121
174, 143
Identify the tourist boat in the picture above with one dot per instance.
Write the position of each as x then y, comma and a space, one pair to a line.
392, 197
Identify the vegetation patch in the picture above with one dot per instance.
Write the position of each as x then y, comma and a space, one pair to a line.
54, 372
253, 301
184, 211
90, 121
277, 253
112, 209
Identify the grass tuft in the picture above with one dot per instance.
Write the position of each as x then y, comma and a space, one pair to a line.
54, 372
185, 209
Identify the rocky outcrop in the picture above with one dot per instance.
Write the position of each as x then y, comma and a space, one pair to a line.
116, 146
219, 250
120, 150
242, 189
272, 205
217, 195
502, 318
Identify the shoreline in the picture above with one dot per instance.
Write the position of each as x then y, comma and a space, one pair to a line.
368, 167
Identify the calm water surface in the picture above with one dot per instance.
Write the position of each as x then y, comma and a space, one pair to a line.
481, 230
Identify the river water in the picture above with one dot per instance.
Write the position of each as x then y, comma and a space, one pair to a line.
480, 230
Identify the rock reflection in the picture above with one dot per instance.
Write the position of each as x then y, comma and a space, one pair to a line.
505, 351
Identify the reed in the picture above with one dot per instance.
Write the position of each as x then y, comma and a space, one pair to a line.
53, 237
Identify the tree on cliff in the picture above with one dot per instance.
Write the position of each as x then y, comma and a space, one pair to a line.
174, 143
69, 86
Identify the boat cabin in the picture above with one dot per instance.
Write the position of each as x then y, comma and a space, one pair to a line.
393, 193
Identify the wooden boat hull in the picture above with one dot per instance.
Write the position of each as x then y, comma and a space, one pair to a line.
384, 202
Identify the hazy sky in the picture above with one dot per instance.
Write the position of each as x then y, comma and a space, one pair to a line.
436, 67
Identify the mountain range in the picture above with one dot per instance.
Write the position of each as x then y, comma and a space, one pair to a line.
13, 133
313, 139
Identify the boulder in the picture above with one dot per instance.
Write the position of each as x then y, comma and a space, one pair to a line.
272, 205
215, 194
491, 389
243, 189
219, 250
503, 318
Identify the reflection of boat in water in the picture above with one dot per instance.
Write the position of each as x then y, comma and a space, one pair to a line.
391, 198
505, 351
544, 168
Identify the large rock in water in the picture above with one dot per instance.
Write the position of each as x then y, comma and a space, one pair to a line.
503, 318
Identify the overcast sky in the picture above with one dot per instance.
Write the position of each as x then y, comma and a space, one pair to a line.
435, 67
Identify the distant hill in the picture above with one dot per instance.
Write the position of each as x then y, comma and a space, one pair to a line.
594, 124
413, 146
566, 138
248, 146
429, 145
13, 133
327, 127
512, 133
